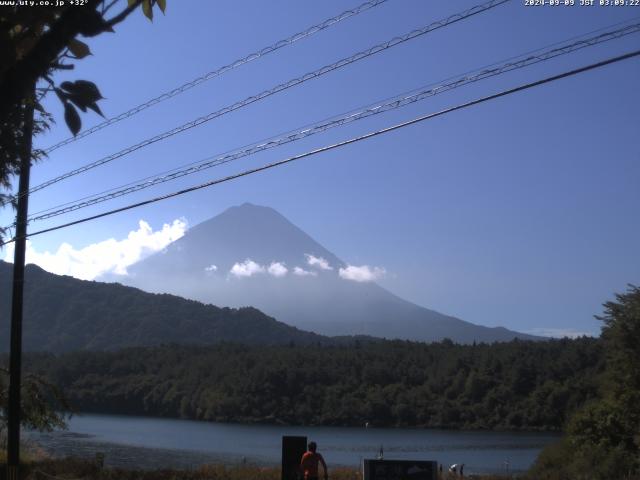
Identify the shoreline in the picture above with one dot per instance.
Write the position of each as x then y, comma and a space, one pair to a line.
148, 443
259, 423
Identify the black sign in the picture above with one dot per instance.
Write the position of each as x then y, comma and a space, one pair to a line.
292, 450
400, 470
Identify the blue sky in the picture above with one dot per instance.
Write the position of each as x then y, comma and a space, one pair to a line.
521, 212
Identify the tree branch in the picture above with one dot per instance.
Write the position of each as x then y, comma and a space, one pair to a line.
124, 14
106, 8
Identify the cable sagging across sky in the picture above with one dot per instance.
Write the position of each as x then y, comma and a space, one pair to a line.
319, 127
278, 88
360, 138
219, 71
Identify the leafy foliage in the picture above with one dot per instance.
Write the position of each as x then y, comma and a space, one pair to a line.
35, 43
603, 438
621, 334
77, 468
43, 404
390, 383
81, 94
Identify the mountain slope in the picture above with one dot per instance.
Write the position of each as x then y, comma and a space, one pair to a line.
62, 313
201, 265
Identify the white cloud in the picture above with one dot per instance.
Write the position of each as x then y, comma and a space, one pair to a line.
277, 269
247, 268
364, 273
211, 268
317, 262
301, 272
560, 332
108, 256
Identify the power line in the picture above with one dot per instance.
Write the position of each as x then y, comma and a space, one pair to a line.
319, 127
279, 88
341, 144
221, 70
580, 39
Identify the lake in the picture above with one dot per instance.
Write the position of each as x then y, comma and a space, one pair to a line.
144, 442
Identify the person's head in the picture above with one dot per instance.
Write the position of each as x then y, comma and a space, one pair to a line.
313, 447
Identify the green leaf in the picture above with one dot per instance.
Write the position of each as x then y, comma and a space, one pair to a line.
79, 49
82, 93
72, 118
163, 5
147, 10
94, 106
68, 86
131, 2
78, 101
88, 90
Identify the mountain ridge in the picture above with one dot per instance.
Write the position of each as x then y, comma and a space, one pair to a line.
62, 313
225, 261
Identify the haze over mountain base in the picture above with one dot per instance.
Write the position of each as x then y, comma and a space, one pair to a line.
64, 314
253, 256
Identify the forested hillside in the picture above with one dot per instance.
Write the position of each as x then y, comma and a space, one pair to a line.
516, 385
63, 313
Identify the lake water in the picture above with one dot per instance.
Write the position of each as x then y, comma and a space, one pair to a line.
160, 443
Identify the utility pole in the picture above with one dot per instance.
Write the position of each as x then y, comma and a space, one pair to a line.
15, 357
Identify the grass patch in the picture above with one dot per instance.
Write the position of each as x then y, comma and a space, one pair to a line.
74, 468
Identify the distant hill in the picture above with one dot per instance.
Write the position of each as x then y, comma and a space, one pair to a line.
64, 314
306, 295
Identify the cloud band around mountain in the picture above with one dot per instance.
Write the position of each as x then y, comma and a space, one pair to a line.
248, 268
277, 269
301, 272
363, 273
317, 262
114, 256
107, 256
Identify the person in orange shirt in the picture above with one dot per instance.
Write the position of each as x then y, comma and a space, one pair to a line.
309, 463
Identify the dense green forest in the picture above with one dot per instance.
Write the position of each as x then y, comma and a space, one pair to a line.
516, 385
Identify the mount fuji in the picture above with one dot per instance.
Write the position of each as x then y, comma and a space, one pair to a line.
253, 256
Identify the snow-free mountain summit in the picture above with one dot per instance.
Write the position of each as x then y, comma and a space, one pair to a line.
253, 256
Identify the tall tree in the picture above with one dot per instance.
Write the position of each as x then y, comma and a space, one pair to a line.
603, 438
35, 42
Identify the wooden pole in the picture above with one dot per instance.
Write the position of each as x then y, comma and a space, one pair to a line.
15, 356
